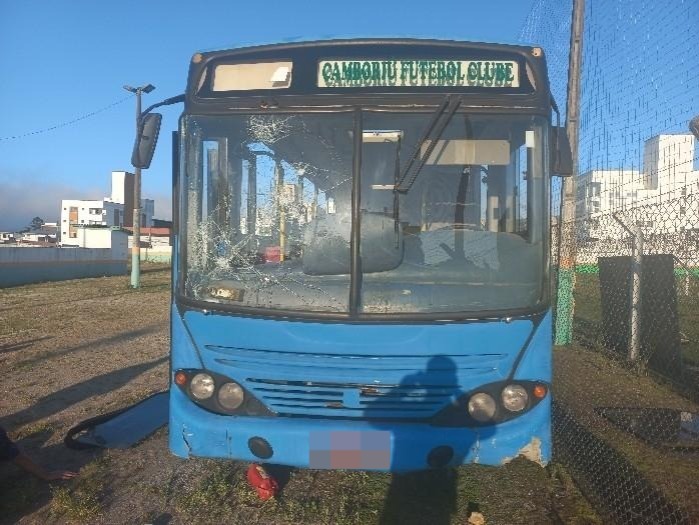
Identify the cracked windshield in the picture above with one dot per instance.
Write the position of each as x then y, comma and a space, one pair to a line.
453, 223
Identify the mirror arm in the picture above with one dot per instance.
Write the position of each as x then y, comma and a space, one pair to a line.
555, 110
561, 164
558, 122
167, 102
136, 156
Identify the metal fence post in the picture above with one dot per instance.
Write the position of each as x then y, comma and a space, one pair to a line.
635, 336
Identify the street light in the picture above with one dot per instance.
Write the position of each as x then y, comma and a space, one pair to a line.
136, 246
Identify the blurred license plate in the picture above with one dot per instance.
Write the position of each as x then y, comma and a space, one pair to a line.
350, 450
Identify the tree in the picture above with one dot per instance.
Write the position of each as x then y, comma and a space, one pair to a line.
37, 223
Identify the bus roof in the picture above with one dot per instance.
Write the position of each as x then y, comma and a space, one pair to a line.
360, 67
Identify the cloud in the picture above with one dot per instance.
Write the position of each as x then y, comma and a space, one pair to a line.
25, 196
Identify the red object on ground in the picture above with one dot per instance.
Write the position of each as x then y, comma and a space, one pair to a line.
273, 254
265, 485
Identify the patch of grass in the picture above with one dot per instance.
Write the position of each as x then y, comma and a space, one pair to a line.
587, 325
10, 326
585, 380
340, 497
80, 505
35, 429
211, 497
81, 501
155, 278
23, 366
519, 492
568, 503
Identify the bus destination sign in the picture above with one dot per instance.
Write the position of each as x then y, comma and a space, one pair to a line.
418, 73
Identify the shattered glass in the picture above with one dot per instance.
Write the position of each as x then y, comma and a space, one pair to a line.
256, 185
269, 213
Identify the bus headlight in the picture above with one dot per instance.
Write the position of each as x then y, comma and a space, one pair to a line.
231, 396
492, 403
218, 393
482, 407
514, 398
202, 386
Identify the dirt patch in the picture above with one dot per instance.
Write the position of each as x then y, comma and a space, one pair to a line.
75, 349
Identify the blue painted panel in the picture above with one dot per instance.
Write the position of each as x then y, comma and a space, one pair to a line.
183, 352
402, 370
536, 363
264, 334
358, 371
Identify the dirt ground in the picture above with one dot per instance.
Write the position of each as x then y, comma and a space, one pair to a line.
75, 349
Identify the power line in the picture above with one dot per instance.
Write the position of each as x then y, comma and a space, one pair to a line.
69, 122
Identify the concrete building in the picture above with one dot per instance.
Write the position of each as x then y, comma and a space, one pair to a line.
37, 238
104, 237
115, 211
7, 237
668, 175
155, 244
122, 192
46, 234
76, 213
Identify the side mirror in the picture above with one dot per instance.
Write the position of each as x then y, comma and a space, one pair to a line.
561, 156
694, 126
144, 147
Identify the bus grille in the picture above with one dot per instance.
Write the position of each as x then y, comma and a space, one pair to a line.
366, 401
358, 386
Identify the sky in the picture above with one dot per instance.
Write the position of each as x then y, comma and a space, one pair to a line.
63, 60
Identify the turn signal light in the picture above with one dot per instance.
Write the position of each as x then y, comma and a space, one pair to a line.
539, 391
180, 378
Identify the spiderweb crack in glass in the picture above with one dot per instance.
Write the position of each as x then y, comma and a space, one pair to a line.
269, 213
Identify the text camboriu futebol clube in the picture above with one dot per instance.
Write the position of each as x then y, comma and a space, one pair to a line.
358, 73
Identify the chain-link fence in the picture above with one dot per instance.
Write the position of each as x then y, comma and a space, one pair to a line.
626, 418
626, 412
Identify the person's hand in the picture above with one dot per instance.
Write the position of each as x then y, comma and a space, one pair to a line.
59, 475
28, 464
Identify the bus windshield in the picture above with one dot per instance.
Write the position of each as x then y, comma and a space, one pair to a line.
269, 217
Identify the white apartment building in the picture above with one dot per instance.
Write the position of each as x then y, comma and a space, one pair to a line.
116, 210
668, 175
75, 213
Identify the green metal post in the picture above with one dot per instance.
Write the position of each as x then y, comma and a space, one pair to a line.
136, 245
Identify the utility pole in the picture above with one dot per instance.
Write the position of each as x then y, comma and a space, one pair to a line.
136, 246
567, 248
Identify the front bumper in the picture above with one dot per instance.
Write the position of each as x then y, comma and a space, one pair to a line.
196, 432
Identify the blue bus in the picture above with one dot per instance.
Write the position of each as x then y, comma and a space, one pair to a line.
361, 260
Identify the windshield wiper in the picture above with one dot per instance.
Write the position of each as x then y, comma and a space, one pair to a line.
433, 132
